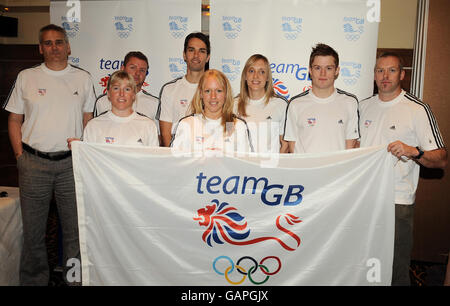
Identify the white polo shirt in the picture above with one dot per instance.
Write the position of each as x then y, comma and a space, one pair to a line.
321, 125
197, 133
53, 103
174, 100
265, 122
132, 130
407, 119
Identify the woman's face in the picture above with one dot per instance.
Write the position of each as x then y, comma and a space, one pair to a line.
256, 76
121, 95
213, 96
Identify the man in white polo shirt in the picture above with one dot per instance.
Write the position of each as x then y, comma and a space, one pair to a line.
48, 104
407, 125
175, 96
135, 64
324, 118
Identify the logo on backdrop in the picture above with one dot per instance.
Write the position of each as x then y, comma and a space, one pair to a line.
178, 26
353, 28
72, 28
74, 61
299, 72
177, 67
232, 68
123, 26
232, 26
104, 83
224, 224
350, 72
280, 88
291, 27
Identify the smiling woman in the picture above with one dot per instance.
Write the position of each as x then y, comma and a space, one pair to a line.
122, 125
212, 124
261, 107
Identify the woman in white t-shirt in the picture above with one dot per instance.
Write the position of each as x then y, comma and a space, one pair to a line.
212, 127
121, 125
263, 110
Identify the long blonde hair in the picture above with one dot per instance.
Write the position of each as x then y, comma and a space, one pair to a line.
197, 106
244, 95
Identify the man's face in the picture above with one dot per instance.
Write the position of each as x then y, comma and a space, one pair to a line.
53, 47
323, 72
196, 55
137, 68
388, 75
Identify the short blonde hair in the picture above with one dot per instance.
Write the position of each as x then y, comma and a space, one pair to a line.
197, 106
122, 75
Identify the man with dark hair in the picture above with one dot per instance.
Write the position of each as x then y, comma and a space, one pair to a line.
324, 118
408, 127
48, 103
175, 96
135, 64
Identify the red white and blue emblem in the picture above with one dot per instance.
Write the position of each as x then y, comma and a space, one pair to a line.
311, 121
280, 88
225, 225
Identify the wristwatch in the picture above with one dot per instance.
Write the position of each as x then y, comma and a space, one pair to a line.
418, 156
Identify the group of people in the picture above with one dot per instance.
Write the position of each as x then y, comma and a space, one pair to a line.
53, 104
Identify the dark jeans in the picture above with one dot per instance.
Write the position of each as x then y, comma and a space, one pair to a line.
404, 217
38, 179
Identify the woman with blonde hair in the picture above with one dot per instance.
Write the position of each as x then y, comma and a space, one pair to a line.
261, 107
121, 125
212, 124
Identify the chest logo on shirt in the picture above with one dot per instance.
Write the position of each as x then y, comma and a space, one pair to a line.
367, 123
311, 121
42, 91
109, 139
183, 102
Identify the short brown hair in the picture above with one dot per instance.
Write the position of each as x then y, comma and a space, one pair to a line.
393, 54
323, 50
136, 54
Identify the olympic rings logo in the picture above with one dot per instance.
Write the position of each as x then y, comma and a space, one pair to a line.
178, 34
240, 269
123, 34
350, 82
231, 35
352, 37
290, 36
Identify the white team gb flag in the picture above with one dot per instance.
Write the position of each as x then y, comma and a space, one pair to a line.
147, 217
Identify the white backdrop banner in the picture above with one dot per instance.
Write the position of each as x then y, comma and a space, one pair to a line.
285, 32
101, 33
147, 217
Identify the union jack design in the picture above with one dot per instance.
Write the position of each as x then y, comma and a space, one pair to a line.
280, 88
225, 224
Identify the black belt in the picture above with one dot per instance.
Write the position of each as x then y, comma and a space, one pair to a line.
47, 155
